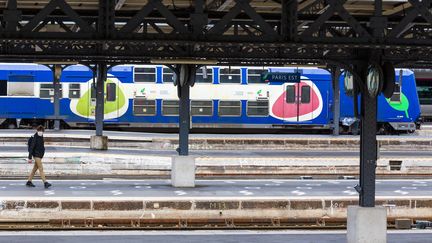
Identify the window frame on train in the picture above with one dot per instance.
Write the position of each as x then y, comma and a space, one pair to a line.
308, 97
170, 106
257, 107
145, 71
167, 74
193, 107
250, 75
144, 106
199, 73
50, 95
230, 69
222, 115
73, 88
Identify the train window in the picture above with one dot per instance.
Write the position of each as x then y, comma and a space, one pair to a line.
305, 94
254, 76
202, 107
111, 92
170, 107
47, 91
144, 107
425, 95
168, 75
204, 75
74, 91
3, 87
290, 94
229, 75
257, 108
145, 74
396, 97
229, 108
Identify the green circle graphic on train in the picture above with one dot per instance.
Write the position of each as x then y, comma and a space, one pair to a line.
114, 108
403, 105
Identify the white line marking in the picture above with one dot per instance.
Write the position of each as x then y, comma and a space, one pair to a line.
419, 185
49, 193
116, 192
401, 192
180, 193
298, 193
246, 193
350, 192
77, 187
15, 184
88, 184
252, 187
409, 187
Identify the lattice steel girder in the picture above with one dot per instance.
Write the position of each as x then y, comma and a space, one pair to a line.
225, 52
141, 30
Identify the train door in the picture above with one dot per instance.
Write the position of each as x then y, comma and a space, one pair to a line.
92, 100
298, 103
3, 87
290, 107
111, 100
305, 104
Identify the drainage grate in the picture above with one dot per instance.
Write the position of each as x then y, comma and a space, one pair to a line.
395, 164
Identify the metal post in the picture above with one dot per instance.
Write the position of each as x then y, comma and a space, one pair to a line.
368, 147
56, 83
185, 77
335, 72
184, 120
100, 97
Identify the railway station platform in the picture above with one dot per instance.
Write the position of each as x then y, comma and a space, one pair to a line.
211, 204
169, 141
149, 155
78, 162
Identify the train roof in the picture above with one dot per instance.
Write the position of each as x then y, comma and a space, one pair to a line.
128, 68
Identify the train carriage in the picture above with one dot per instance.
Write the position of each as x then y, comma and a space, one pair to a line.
222, 97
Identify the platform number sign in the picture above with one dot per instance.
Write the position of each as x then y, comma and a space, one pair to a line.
280, 77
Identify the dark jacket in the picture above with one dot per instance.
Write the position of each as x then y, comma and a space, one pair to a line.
36, 148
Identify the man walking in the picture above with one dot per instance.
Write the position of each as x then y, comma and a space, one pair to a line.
36, 150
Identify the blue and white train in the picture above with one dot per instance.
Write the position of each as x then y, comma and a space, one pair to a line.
222, 97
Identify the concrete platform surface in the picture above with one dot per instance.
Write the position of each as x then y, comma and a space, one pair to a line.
224, 203
146, 135
114, 188
77, 162
216, 236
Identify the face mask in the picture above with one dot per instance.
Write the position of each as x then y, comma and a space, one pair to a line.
40, 133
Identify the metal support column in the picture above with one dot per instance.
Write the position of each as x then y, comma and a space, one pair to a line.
185, 78
100, 97
368, 144
335, 73
184, 120
57, 69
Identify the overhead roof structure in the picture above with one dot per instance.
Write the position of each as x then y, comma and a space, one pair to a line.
264, 32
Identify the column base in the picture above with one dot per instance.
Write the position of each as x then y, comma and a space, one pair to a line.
367, 224
99, 142
183, 171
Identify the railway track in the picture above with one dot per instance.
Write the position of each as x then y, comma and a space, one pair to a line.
185, 224
172, 224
